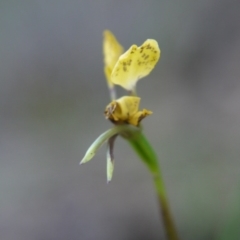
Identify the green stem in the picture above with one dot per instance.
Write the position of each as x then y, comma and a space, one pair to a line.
145, 151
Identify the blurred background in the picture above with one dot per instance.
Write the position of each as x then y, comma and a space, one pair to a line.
52, 98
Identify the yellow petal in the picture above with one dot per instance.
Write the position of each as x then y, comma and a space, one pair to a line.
108, 72
111, 51
139, 116
121, 109
129, 104
135, 63
125, 110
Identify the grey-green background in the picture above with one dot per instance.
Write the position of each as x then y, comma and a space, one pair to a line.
52, 98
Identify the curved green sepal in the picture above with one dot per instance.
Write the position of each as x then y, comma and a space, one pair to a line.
123, 129
110, 158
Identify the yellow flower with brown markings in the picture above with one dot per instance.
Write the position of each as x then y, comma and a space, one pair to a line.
125, 110
135, 63
124, 70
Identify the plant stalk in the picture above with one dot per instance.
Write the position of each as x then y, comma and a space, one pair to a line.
145, 151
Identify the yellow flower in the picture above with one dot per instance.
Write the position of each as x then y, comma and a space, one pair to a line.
124, 70
135, 63
111, 51
125, 110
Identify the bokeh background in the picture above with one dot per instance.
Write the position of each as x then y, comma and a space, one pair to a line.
52, 98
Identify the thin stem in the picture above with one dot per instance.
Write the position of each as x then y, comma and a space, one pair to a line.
112, 92
147, 154
133, 92
164, 208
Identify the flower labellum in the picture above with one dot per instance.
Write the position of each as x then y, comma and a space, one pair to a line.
126, 110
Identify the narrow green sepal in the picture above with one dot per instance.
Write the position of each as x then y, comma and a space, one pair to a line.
103, 138
110, 167
110, 158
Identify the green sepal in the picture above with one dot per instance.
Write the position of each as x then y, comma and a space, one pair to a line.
123, 129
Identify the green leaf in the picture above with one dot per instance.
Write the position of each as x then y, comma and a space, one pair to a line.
123, 129
145, 151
